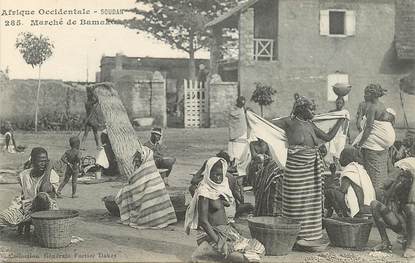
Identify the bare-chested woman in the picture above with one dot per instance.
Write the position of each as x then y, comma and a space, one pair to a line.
377, 136
302, 182
206, 212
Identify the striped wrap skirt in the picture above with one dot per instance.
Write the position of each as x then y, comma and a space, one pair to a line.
302, 190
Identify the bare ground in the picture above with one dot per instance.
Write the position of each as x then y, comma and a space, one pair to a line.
108, 241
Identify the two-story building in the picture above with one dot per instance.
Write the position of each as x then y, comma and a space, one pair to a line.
306, 46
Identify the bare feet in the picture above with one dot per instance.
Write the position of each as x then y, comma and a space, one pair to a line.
384, 246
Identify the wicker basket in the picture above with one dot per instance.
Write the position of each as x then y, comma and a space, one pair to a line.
178, 200
277, 234
111, 205
348, 232
53, 228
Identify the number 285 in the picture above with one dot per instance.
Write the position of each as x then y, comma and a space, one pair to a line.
12, 22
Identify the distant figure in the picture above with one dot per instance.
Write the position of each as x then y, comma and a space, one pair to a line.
10, 143
92, 118
238, 146
72, 159
335, 146
106, 157
162, 161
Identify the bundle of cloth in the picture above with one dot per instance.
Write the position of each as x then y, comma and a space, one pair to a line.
381, 137
277, 140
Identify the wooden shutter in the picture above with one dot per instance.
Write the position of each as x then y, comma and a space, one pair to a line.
324, 23
350, 23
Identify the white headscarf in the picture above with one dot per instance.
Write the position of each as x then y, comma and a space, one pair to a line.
209, 189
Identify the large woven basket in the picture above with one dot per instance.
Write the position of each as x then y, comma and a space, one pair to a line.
178, 200
277, 234
111, 205
348, 232
53, 228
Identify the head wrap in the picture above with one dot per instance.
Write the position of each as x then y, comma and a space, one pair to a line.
224, 155
391, 111
301, 102
156, 130
209, 189
375, 90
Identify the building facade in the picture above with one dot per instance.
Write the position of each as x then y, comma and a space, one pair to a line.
149, 87
306, 46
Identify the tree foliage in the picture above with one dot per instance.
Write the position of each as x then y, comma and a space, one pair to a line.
179, 23
34, 49
262, 95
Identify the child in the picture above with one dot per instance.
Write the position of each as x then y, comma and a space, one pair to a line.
71, 158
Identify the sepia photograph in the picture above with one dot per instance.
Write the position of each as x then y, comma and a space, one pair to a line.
207, 131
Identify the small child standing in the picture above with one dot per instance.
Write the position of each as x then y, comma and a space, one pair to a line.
71, 158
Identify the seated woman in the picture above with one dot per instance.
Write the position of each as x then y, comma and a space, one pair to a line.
206, 212
39, 184
265, 176
232, 210
10, 142
356, 192
398, 209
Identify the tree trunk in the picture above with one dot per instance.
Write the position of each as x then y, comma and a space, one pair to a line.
192, 66
262, 110
37, 99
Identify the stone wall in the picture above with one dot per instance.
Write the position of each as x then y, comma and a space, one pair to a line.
18, 98
305, 58
143, 97
222, 95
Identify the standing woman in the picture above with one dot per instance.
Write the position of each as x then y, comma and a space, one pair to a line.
377, 136
302, 182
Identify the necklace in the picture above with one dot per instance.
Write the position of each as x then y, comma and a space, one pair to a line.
301, 119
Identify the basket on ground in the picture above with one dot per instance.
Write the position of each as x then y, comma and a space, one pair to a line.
178, 200
111, 205
53, 228
277, 234
348, 232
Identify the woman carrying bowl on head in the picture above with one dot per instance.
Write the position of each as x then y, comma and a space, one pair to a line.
302, 181
377, 136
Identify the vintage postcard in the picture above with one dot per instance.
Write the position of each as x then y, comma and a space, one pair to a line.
207, 131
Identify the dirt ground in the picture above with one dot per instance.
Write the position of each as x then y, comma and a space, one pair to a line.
106, 240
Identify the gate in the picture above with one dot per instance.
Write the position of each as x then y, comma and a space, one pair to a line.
196, 99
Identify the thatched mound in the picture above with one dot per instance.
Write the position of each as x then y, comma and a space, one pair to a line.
407, 84
121, 133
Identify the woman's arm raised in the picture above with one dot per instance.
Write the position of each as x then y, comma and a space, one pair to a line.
329, 135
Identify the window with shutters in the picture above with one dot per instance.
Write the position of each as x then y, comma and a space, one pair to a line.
337, 23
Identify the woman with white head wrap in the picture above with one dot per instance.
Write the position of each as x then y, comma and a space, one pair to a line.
206, 212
